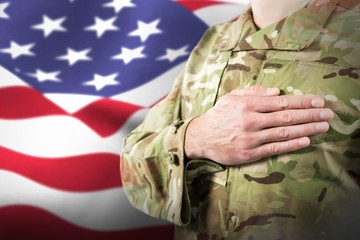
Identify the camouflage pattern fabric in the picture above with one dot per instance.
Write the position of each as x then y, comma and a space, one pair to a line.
309, 194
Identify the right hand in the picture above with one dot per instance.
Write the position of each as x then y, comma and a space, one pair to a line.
249, 124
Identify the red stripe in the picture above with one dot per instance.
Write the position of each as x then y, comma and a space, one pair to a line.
78, 173
23, 223
24, 102
106, 116
194, 5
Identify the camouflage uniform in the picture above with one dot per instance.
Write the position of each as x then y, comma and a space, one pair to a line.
313, 193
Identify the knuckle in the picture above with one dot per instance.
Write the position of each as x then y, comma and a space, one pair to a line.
244, 105
246, 123
252, 89
225, 101
304, 102
274, 148
246, 155
312, 116
286, 117
283, 102
248, 140
284, 132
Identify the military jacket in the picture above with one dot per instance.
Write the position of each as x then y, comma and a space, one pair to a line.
313, 193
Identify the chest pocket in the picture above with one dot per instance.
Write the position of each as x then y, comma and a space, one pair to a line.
201, 89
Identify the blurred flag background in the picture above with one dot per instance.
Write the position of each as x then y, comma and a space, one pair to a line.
75, 77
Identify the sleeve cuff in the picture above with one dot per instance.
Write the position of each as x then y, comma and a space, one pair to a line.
188, 170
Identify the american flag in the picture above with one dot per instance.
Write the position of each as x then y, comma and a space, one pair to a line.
75, 77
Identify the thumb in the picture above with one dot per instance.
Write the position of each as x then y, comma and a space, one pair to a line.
256, 90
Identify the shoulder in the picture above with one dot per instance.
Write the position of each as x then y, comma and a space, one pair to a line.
341, 35
214, 36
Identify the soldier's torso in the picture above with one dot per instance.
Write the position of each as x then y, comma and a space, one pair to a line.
309, 194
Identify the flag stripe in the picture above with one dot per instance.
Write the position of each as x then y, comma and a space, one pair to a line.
19, 103
89, 170
103, 210
72, 137
194, 5
25, 102
23, 222
106, 111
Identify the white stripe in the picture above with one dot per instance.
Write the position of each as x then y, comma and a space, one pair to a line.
60, 136
105, 210
9, 79
71, 102
144, 95
149, 93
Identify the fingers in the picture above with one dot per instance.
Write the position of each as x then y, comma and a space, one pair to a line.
262, 99
278, 103
284, 133
293, 117
291, 132
276, 148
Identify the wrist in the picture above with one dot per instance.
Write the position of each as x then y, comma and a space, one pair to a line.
192, 142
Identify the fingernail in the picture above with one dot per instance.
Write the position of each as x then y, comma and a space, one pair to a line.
304, 142
326, 114
272, 91
323, 126
317, 103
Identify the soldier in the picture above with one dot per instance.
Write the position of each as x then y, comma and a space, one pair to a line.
259, 137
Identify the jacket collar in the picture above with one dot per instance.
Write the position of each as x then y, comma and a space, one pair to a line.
295, 32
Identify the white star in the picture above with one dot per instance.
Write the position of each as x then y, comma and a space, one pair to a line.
102, 81
172, 54
50, 25
3, 6
146, 29
73, 56
119, 4
42, 76
101, 26
127, 55
16, 50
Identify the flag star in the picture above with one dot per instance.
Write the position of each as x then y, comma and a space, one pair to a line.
127, 55
16, 50
172, 54
144, 30
73, 56
101, 26
119, 4
102, 81
50, 25
3, 6
42, 76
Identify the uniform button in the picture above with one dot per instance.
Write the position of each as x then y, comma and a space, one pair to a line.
174, 159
